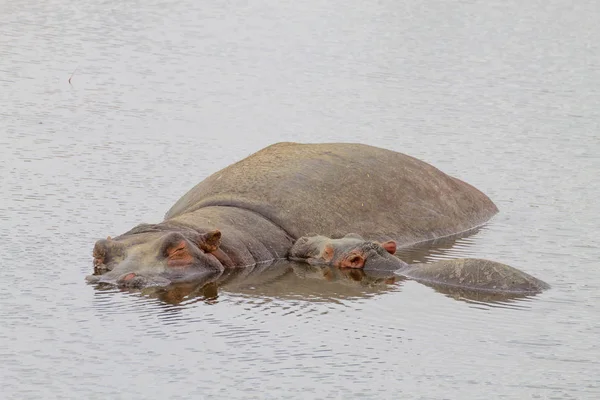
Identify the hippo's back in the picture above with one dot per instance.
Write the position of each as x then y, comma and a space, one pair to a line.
336, 188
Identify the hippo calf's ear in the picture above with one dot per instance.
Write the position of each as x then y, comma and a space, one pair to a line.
389, 246
210, 241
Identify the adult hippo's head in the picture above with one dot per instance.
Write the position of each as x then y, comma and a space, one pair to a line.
153, 255
351, 251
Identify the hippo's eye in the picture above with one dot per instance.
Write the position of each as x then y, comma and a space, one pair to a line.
178, 249
178, 252
175, 249
174, 241
178, 255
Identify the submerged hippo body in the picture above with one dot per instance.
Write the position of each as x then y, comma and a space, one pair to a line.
256, 209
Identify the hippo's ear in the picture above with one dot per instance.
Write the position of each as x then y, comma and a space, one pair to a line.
210, 241
389, 246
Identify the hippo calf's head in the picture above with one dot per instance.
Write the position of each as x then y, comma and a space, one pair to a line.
151, 257
351, 251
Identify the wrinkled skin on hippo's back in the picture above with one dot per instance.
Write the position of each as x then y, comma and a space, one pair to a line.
333, 189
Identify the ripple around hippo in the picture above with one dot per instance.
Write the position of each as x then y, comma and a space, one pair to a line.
363, 201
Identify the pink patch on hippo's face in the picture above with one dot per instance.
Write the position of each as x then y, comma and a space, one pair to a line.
128, 277
327, 253
179, 255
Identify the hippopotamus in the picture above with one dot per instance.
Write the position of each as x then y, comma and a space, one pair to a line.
288, 200
352, 251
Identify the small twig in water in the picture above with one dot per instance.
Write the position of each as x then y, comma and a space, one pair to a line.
72, 73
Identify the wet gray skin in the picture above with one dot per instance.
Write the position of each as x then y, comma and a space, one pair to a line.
475, 274
352, 251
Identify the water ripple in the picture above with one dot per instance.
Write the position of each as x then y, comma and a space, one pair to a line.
501, 95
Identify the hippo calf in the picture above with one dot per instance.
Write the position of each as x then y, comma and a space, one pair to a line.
352, 251
257, 209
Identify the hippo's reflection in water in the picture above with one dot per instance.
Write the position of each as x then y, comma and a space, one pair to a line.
285, 279
281, 279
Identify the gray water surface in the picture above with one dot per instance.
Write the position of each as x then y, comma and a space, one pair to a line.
502, 94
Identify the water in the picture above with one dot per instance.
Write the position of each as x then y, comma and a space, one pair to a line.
502, 94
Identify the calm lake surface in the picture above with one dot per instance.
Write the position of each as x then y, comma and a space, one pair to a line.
502, 94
